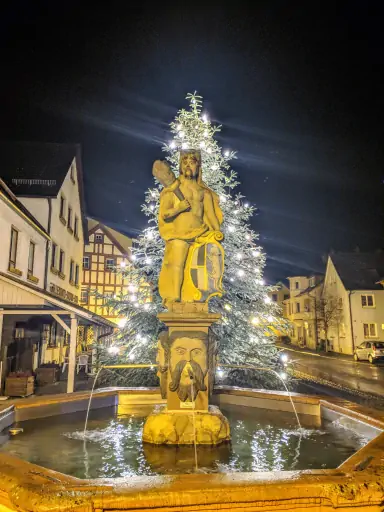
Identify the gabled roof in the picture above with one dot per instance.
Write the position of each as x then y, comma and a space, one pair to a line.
358, 270
35, 169
12, 201
123, 242
38, 169
309, 289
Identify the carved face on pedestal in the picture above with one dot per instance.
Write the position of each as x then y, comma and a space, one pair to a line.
190, 164
162, 362
188, 366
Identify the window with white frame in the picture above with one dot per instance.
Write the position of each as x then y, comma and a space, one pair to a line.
13, 248
84, 296
109, 264
370, 330
86, 262
61, 261
62, 206
71, 270
368, 301
31, 258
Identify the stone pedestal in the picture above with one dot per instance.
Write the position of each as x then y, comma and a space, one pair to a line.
186, 358
178, 427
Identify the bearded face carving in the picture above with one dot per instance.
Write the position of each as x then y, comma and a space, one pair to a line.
188, 367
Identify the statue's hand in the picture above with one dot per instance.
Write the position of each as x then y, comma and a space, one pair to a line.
183, 206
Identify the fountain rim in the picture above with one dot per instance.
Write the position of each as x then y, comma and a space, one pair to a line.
23, 482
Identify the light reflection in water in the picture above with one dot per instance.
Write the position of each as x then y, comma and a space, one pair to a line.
261, 441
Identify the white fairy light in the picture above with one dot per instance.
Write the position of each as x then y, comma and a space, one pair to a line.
182, 134
179, 127
223, 199
204, 117
123, 264
122, 322
133, 257
133, 298
220, 373
214, 167
231, 279
227, 307
246, 205
239, 256
150, 235
131, 357
202, 144
267, 300
113, 350
152, 207
172, 144
283, 375
209, 151
231, 228
184, 145
240, 272
206, 133
255, 253
226, 153
247, 236
255, 320
236, 212
270, 318
148, 261
146, 306
132, 288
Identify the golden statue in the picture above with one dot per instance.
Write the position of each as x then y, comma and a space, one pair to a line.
189, 221
190, 218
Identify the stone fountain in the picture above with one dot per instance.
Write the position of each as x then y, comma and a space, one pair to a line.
189, 222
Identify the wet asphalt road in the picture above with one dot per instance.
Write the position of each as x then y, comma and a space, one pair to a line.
360, 376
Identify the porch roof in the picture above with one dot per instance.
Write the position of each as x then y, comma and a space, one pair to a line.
34, 301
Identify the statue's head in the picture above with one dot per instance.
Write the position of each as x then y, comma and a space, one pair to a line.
188, 366
190, 164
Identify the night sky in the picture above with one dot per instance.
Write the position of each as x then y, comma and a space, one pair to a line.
296, 86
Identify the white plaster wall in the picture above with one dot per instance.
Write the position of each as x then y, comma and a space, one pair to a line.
341, 336
63, 238
362, 315
38, 207
27, 233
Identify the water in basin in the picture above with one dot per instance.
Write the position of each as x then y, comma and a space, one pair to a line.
262, 440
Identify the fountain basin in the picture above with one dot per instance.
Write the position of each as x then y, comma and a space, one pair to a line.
355, 482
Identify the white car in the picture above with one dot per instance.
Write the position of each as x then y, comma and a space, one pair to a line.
369, 351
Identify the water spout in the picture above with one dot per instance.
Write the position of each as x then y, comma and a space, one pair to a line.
194, 424
249, 367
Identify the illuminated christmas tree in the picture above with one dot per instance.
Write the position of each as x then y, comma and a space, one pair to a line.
244, 334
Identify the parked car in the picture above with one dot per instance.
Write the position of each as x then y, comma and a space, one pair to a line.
369, 351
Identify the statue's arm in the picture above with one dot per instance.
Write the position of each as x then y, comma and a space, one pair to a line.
167, 209
209, 212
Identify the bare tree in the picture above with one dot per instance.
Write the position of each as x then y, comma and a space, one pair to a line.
329, 316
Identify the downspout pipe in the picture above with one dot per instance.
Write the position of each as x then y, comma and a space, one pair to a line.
48, 243
350, 315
